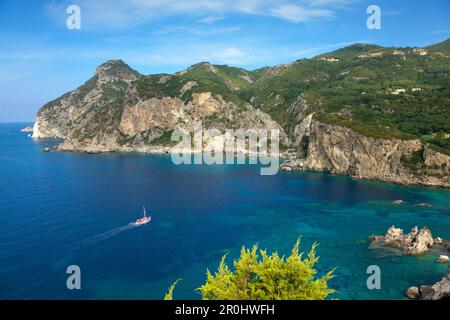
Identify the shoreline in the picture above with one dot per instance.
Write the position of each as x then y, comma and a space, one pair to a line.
283, 156
341, 181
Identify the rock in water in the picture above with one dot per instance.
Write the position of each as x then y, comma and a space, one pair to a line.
394, 237
423, 205
420, 243
443, 259
442, 288
412, 293
437, 291
27, 129
413, 243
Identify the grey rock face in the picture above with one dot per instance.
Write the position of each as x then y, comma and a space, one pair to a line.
414, 243
109, 113
342, 151
437, 291
413, 293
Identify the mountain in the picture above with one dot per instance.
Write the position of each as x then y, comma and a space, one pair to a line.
120, 110
443, 47
365, 111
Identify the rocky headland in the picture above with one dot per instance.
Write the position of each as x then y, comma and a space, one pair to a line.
120, 110
342, 151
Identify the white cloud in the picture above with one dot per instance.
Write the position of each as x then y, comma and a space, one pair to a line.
211, 19
166, 56
231, 56
330, 2
189, 54
196, 31
127, 13
298, 14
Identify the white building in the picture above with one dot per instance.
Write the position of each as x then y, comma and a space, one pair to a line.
329, 59
398, 91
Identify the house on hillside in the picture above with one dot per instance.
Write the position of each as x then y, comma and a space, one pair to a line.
420, 51
329, 59
398, 91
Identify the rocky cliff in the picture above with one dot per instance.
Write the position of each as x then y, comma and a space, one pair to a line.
342, 151
332, 113
113, 112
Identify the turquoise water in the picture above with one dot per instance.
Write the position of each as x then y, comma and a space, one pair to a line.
58, 209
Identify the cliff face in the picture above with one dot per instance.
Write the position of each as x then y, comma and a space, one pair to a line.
108, 113
342, 151
83, 110
119, 109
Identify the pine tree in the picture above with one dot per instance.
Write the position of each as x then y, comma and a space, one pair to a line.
259, 276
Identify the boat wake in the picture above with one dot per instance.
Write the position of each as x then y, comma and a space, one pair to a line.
102, 236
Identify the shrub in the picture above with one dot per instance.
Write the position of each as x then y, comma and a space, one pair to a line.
259, 276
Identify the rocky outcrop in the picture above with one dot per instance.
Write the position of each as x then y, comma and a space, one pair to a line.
27, 129
419, 242
120, 110
437, 291
89, 110
413, 292
108, 114
414, 243
142, 124
342, 151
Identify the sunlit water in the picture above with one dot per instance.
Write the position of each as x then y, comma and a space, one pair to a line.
59, 209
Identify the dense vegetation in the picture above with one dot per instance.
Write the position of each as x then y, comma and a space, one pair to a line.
225, 81
260, 276
353, 87
379, 92
357, 90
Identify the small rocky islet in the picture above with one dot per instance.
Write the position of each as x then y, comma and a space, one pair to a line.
416, 242
28, 129
121, 110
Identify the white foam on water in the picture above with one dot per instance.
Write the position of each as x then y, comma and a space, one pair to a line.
102, 236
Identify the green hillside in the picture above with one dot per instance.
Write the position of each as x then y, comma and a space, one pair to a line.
441, 47
353, 87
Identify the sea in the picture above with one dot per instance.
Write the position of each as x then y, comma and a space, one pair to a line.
63, 209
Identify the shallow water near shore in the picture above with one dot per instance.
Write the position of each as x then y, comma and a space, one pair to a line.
59, 209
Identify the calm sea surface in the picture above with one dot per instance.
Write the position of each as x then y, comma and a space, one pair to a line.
59, 209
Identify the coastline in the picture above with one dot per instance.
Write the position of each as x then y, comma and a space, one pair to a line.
283, 156
297, 215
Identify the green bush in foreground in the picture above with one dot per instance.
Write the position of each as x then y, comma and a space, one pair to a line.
169, 294
259, 276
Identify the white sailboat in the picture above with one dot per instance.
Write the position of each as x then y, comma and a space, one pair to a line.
144, 219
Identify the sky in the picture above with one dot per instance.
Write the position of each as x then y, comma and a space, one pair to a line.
41, 59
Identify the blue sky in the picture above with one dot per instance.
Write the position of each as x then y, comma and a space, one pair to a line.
40, 59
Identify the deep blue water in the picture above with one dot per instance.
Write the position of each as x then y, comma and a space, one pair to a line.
58, 209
